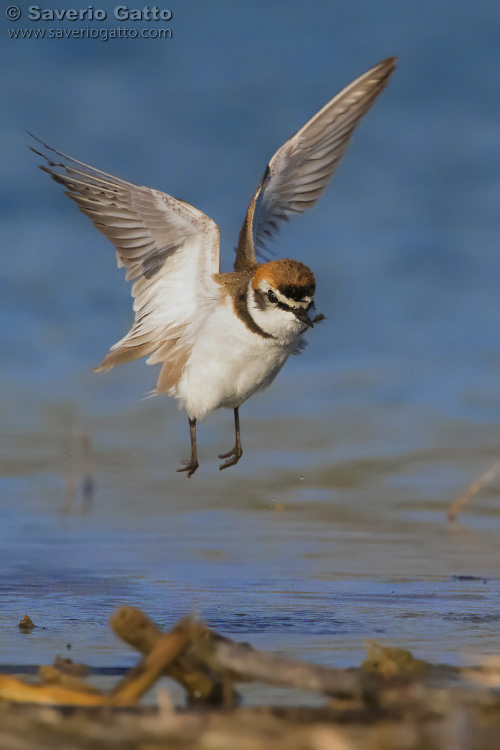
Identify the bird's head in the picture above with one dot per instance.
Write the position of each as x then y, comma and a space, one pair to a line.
280, 297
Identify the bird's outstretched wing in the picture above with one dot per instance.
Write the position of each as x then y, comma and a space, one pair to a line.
299, 171
170, 248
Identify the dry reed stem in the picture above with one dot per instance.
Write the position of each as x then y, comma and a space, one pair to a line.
460, 503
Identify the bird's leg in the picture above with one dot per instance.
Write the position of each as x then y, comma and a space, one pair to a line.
235, 453
193, 464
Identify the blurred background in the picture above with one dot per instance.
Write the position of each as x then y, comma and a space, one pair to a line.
332, 527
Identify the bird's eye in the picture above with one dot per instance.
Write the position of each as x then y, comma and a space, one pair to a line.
271, 296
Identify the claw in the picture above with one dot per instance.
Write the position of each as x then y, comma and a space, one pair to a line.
232, 452
190, 467
236, 455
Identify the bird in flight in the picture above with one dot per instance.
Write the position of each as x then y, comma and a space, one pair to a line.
220, 337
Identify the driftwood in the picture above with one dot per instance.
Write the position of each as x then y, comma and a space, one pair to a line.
207, 665
211, 657
50, 675
394, 701
202, 661
138, 680
245, 664
202, 684
18, 691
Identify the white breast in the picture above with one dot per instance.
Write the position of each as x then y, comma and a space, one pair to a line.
228, 363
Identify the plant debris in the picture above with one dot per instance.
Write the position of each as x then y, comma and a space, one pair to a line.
392, 701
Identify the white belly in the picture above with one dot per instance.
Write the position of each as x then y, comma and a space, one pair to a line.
228, 363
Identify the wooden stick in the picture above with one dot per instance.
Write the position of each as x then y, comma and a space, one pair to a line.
247, 664
52, 676
138, 680
12, 689
458, 505
133, 627
202, 684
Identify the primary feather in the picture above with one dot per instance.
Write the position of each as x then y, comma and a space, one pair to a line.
168, 247
299, 171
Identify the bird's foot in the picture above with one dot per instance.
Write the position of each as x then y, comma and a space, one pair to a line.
190, 467
234, 456
232, 452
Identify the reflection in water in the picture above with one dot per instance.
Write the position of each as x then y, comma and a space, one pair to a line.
73, 466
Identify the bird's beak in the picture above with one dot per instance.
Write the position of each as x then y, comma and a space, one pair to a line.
301, 314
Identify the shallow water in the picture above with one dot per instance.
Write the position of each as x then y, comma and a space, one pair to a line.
332, 528
309, 549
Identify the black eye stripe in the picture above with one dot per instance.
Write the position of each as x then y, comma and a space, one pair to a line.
274, 299
297, 293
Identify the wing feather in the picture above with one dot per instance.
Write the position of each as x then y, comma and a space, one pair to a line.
169, 249
300, 170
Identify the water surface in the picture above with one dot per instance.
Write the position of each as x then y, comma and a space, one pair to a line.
331, 530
